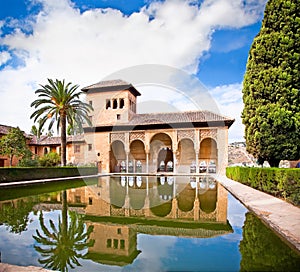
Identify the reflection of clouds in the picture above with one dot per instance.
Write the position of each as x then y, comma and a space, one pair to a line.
18, 248
235, 212
154, 249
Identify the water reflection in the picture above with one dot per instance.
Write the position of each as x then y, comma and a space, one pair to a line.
134, 222
63, 244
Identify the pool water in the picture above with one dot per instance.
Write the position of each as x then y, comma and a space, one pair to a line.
129, 223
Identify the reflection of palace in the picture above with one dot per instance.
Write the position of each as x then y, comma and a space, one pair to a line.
125, 141
120, 207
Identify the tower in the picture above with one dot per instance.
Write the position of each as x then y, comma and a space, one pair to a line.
114, 102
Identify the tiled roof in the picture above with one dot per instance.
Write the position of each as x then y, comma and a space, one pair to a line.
4, 129
108, 83
110, 86
45, 140
177, 117
187, 119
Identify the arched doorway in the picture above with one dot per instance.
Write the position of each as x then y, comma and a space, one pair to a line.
117, 156
165, 160
186, 156
160, 152
138, 156
208, 155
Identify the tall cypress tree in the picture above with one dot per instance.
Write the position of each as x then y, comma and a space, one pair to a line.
271, 87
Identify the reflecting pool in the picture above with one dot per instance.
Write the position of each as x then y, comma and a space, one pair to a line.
136, 223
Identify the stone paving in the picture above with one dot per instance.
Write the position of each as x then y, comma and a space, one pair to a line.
15, 268
281, 216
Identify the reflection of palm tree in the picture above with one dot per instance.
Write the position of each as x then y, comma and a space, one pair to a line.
63, 245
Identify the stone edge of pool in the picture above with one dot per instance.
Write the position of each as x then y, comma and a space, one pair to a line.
279, 215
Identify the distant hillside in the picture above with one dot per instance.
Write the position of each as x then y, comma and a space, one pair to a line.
237, 155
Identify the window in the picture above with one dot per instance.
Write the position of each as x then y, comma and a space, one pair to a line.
119, 231
36, 150
116, 243
90, 200
45, 150
77, 149
90, 147
77, 199
108, 243
118, 116
108, 105
115, 104
91, 103
122, 244
122, 104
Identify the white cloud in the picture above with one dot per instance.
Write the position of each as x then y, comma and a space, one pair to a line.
85, 47
229, 101
4, 57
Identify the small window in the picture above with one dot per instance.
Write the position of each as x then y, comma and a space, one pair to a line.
36, 150
119, 231
115, 104
90, 201
90, 147
91, 103
108, 104
118, 116
77, 199
45, 150
122, 104
77, 149
108, 243
122, 244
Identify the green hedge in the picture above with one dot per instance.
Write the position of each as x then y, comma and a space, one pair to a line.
18, 173
280, 182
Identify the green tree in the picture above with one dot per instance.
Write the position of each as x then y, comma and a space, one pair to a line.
271, 113
62, 245
15, 214
59, 102
13, 144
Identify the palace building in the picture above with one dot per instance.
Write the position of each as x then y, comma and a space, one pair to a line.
122, 140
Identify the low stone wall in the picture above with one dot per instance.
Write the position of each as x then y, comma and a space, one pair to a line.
18, 174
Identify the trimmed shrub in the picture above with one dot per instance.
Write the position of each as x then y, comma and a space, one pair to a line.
20, 174
280, 182
50, 159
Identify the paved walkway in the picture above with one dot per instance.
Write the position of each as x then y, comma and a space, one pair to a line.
281, 216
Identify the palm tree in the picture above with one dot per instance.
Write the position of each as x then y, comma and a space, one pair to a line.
37, 130
60, 102
61, 246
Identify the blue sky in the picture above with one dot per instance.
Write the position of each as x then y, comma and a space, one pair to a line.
84, 41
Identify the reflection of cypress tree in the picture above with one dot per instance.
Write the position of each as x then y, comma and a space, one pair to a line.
63, 245
14, 214
263, 250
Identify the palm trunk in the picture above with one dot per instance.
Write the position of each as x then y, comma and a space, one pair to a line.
63, 139
64, 214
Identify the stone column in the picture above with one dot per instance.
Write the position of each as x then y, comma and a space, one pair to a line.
147, 162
